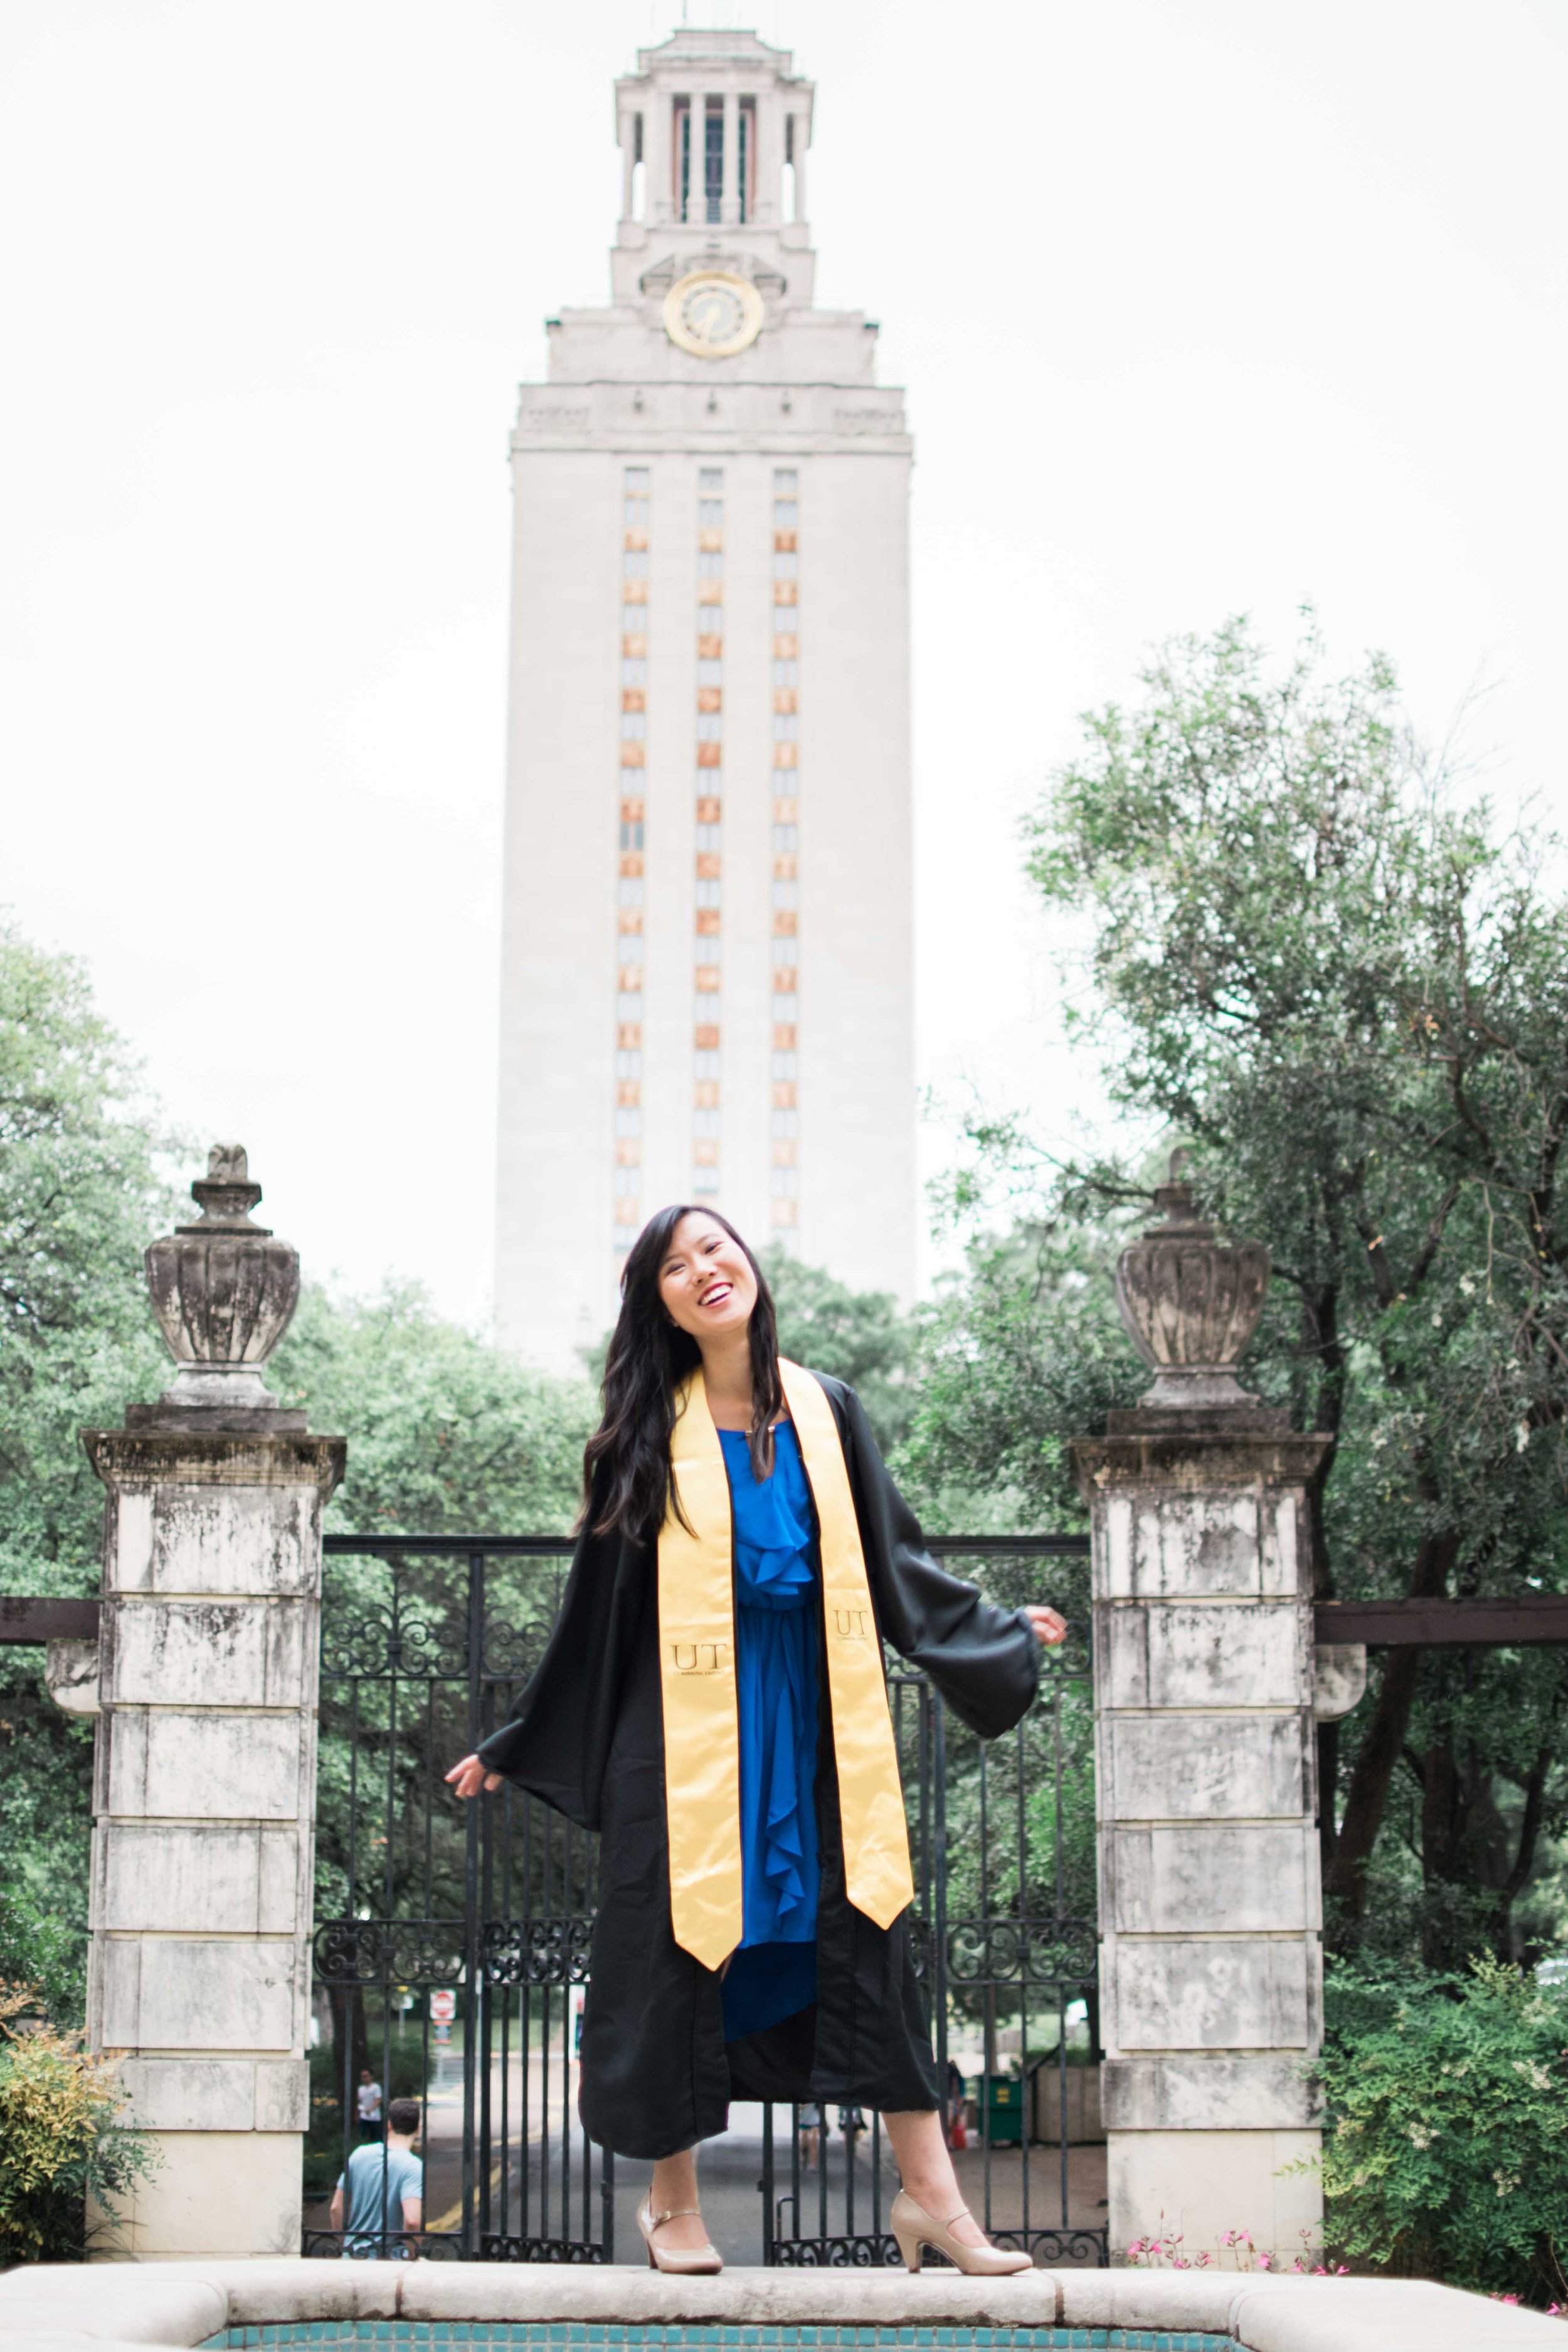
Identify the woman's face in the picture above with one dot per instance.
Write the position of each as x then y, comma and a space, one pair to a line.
705, 1281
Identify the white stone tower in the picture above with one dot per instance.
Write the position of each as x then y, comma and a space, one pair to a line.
706, 980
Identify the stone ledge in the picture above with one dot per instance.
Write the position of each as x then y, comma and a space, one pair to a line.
1289, 2314
72, 2307
1194, 1460
154, 1457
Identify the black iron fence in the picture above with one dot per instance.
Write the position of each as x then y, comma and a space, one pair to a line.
451, 1943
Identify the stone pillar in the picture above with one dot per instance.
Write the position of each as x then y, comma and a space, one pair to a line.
799, 147
1211, 1959
700, 159
767, 171
205, 1775
628, 145
694, 212
730, 180
658, 153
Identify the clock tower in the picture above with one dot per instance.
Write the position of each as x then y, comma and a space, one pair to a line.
705, 966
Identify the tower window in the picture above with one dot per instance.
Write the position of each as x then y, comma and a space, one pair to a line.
747, 128
710, 482
714, 159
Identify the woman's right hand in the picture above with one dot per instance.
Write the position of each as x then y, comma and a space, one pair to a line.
471, 1776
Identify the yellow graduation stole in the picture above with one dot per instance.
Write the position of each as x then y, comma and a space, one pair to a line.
697, 1677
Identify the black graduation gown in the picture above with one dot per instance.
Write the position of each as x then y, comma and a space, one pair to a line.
586, 1735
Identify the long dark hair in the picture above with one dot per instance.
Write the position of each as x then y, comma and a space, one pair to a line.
627, 1482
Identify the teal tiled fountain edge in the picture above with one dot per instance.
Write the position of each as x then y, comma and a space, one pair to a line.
604, 2336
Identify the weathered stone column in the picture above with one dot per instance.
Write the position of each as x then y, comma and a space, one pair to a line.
205, 1777
1211, 1961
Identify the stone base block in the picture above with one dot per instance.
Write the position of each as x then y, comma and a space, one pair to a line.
213, 2193
1203, 2184
1186, 2092
217, 2094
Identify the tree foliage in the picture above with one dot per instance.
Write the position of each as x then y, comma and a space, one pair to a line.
859, 1336
1016, 1356
81, 1196
1347, 990
1448, 2126
447, 1434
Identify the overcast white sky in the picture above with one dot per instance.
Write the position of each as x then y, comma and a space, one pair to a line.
1202, 305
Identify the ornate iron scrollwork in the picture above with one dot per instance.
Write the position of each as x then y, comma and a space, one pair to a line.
538, 1951
1060, 2245
387, 1642
512, 1652
1015, 1951
389, 1951
494, 2248
382, 2246
858, 2253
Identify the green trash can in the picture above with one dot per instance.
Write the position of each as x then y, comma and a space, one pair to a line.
1005, 2109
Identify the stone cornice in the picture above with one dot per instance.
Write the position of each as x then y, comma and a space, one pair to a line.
1191, 1460
148, 1457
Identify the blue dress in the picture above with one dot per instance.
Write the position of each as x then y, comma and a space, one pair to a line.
774, 1973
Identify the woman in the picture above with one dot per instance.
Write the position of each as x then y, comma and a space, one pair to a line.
712, 1700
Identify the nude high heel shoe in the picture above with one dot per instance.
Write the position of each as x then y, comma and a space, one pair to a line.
682, 2262
914, 2228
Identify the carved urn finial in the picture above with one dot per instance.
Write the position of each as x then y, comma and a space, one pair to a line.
1189, 1303
224, 1290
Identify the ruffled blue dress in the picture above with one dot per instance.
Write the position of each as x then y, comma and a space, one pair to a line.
774, 1973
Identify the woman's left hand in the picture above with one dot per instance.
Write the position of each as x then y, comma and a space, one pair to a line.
1049, 1627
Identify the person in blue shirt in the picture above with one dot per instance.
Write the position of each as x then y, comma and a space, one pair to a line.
754, 1937
384, 2184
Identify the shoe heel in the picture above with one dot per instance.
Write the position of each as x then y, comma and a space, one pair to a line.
910, 2249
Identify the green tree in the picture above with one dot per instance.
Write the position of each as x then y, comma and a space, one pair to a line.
81, 1196
1015, 1357
447, 1434
859, 1336
1347, 989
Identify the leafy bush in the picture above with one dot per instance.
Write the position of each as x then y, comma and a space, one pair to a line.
1447, 2150
44, 1952
59, 2143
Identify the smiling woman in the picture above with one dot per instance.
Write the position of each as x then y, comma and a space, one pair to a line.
713, 1701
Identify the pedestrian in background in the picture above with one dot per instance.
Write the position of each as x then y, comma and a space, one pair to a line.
385, 2183
367, 2100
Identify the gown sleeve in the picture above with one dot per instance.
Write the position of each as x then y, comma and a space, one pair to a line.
556, 1741
985, 1661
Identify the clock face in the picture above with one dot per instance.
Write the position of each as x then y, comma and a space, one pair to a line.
712, 314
